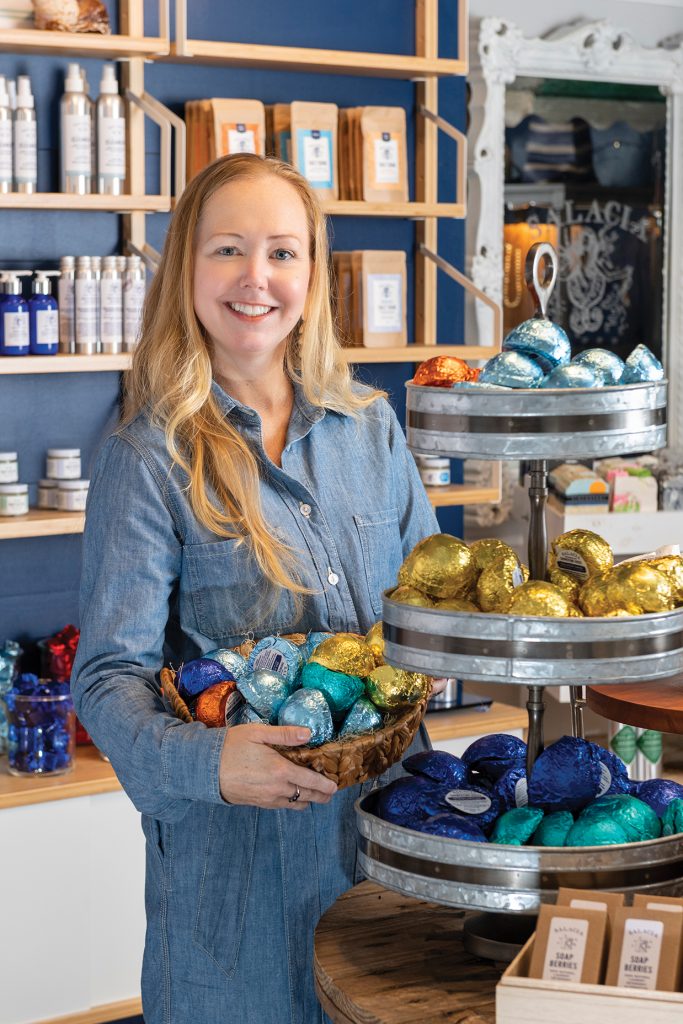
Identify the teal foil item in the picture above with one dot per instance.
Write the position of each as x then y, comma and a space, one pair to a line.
309, 709
363, 718
312, 641
516, 826
642, 365
339, 690
266, 691
602, 832
277, 655
672, 819
542, 340
638, 821
573, 376
232, 660
553, 830
607, 366
511, 370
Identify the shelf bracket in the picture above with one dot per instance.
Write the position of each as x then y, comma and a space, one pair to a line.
150, 256
461, 141
172, 127
461, 279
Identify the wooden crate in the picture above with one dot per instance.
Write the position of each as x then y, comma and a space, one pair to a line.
524, 1000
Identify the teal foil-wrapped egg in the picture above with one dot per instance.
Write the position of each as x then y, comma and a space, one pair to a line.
511, 370
642, 365
542, 340
309, 709
363, 718
553, 829
340, 691
672, 819
607, 366
266, 691
516, 826
232, 660
638, 821
602, 832
573, 376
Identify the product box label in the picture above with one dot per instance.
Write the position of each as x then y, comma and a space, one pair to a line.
640, 954
315, 157
566, 949
387, 168
385, 303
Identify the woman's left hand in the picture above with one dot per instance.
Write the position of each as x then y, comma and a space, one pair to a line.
438, 686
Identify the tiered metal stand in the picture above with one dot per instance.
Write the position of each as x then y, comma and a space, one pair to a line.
526, 651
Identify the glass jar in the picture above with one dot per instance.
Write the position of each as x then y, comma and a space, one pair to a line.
41, 733
63, 463
435, 472
9, 468
13, 499
47, 494
72, 495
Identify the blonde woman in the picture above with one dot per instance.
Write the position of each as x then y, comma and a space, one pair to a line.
251, 487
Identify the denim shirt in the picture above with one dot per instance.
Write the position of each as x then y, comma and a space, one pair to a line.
158, 588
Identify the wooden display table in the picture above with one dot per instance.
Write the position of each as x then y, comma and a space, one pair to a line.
652, 705
382, 958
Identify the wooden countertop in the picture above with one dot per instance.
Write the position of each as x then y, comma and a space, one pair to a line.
450, 725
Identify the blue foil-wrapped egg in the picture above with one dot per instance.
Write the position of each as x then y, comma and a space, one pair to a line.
642, 365
266, 691
452, 826
477, 385
340, 690
672, 819
516, 826
511, 370
541, 339
363, 718
566, 776
198, 675
493, 755
658, 793
615, 774
607, 366
512, 789
573, 376
310, 709
438, 765
312, 641
637, 819
407, 801
277, 655
248, 716
553, 829
235, 663
475, 802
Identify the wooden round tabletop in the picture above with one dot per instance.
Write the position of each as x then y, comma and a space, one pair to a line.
382, 958
650, 705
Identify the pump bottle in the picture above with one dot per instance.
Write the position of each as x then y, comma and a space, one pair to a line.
111, 136
76, 144
5, 139
14, 319
25, 139
43, 318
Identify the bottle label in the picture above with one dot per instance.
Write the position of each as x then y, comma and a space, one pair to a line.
16, 330
133, 300
65, 294
47, 327
111, 311
86, 312
385, 303
77, 144
5, 151
25, 152
111, 147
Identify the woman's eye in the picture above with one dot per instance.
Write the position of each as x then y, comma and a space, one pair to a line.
283, 254
227, 250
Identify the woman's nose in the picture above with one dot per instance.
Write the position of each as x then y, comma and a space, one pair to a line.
255, 272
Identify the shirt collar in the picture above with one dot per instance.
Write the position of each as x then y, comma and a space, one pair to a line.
227, 404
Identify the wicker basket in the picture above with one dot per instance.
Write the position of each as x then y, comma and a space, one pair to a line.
346, 761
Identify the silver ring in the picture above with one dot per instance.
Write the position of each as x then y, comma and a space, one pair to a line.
293, 799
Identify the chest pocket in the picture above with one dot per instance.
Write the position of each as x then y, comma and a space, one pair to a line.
225, 596
380, 541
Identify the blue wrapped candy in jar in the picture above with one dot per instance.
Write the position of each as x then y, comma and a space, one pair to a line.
41, 727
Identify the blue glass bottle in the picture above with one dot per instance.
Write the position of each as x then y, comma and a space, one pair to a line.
14, 320
43, 317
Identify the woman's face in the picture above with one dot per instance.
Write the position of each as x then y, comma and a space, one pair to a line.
252, 268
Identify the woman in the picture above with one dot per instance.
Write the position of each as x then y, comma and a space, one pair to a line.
253, 487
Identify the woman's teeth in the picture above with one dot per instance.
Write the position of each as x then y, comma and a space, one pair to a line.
241, 307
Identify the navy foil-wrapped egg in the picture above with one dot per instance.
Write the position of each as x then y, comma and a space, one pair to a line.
198, 675
658, 793
573, 376
438, 765
566, 776
607, 366
541, 339
452, 826
493, 755
362, 718
407, 801
642, 365
232, 660
266, 691
310, 709
512, 789
277, 655
615, 774
475, 802
511, 370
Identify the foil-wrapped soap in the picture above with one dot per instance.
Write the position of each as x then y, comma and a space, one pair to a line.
672, 819
200, 674
277, 655
442, 372
374, 638
362, 718
266, 691
607, 366
493, 755
309, 709
566, 776
512, 789
312, 641
553, 829
541, 340
248, 716
411, 595
642, 365
569, 585
498, 582
345, 652
637, 819
440, 566
452, 826
672, 567
516, 826
232, 660
595, 832
393, 689
582, 553
658, 793
538, 598
573, 376
489, 550
339, 690
437, 765
456, 604
220, 705
634, 586
511, 370
407, 801
615, 774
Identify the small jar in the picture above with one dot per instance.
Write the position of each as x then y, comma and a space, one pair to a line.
63, 463
13, 499
47, 493
435, 472
9, 468
72, 495
41, 733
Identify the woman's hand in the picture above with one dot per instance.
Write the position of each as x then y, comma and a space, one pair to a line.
251, 772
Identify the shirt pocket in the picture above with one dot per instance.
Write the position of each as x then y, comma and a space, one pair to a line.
225, 596
380, 541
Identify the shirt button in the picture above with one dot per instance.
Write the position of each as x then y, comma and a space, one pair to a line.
332, 578
305, 509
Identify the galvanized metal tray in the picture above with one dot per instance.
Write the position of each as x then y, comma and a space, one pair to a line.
532, 651
515, 879
537, 424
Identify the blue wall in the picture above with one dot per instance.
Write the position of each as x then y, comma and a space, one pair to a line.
39, 577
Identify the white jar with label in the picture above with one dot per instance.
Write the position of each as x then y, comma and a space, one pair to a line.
435, 472
9, 468
63, 463
72, 495
13, 499
47, 494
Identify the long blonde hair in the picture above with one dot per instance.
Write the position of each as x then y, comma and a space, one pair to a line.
171, 373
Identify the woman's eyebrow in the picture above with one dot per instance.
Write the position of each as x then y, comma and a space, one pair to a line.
270, 238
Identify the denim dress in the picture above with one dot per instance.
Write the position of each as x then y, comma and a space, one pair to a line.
232, 893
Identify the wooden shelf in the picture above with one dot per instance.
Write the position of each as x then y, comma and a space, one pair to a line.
298, 58
90, 775
81, 44
16, 365
462, 494
414, 211
41, 522
63, 201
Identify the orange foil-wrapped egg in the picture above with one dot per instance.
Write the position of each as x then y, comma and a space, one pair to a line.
442, 372
474, 373
212, 703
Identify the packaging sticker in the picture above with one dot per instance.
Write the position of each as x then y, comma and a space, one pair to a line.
566, 949
605, 779
572, 563
468, 801
385, 303
517, 577
521, 793
640, 953
233, 708
315, 157
239, 138
272, 660
588, 904
387, 170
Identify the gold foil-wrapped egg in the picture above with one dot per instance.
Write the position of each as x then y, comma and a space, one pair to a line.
488, 550
456, 604
374, 638
410, 595
582, 553
392, 688
634, 587
538, 598
346, 653
672, 567
569, 585
498, 581
440, 565
574, 611
618, 613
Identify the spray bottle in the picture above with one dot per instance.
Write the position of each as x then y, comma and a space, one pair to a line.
111, 136
25, 139
43, 318
5, 138
76, 170
134, 286
14, 320
67, 304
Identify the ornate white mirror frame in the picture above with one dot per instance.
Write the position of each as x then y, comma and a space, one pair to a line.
586, 51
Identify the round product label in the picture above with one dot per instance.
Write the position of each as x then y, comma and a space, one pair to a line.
521, 794
468, 801
605, 779
572, 563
